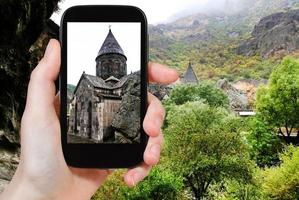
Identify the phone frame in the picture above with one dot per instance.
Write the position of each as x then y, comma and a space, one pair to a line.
103, 155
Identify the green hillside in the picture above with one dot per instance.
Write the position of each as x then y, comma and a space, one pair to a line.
210, 41
71, 88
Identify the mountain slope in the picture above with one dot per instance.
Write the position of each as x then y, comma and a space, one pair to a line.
210, 41
275, 33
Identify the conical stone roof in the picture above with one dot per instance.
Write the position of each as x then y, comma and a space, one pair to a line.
190, 76
110, 46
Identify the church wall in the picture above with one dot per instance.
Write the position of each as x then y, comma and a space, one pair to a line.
80, 120
108, 102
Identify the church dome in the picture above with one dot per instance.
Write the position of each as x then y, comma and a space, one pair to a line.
110, 46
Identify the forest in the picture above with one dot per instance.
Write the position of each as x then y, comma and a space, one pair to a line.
210, 153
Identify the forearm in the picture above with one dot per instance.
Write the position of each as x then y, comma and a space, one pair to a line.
17, 190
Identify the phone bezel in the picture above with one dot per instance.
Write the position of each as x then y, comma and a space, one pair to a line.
102, 155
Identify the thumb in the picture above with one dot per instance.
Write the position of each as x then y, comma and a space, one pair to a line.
41, 88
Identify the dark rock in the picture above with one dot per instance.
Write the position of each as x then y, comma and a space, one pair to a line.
159, 90
126, 122
3, 184
9, 161
21, 48
275, 33
237, 98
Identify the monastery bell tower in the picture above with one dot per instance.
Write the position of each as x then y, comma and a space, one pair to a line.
111, 60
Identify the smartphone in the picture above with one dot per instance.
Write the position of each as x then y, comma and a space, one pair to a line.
104, 55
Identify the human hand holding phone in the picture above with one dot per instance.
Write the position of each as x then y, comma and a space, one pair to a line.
43, 172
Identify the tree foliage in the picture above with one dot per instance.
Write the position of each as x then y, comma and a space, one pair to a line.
236, 190
206, 92
264, 144
204, 146
282, 182
278, 103
159, 185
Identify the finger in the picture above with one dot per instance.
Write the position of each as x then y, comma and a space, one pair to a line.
41, 88
137, 174
154, 117
152, 152
158, 73
57, 104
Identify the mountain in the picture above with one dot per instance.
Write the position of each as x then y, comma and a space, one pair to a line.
70, 91
210, 40
276, 33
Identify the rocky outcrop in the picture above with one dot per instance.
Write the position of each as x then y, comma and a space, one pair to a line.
237, 98
19, 54
159, 90
126, 122
277, 33
249, 87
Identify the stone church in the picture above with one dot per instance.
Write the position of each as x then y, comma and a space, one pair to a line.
106, 107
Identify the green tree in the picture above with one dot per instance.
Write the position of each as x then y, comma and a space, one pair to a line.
236, 190
206, 92
264, 144
282, 182
160, 184
278, 103
204, 146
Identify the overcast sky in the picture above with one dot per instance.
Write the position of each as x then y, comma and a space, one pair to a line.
86, 39
157, 11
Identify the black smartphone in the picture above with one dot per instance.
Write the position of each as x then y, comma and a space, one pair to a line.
103, 85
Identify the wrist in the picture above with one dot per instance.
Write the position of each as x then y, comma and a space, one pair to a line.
19, 188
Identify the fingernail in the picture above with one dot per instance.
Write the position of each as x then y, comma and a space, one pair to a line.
155, 150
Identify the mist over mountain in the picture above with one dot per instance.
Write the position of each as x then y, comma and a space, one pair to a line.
228, 7
210, 36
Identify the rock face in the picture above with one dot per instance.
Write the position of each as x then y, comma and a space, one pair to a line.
273, 34
160, 91
126, 121
249, 87
237, 98
20, 51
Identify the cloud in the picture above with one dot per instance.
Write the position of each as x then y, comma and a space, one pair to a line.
213, 7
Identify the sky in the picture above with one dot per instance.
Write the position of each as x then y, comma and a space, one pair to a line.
84, 41
84, 47
157, 11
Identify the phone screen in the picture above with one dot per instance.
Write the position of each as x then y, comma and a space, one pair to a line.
103, 82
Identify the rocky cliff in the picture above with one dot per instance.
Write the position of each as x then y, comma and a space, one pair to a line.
24, 35
277, 33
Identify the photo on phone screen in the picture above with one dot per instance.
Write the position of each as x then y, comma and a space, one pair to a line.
103, 82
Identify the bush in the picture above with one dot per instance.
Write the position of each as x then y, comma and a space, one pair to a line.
283, 182
264, 144
205, 92
159, 185
241, 191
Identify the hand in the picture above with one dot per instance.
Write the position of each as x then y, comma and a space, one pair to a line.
43, 172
